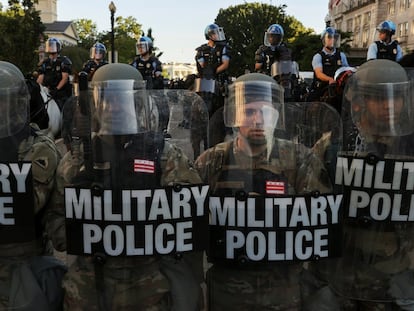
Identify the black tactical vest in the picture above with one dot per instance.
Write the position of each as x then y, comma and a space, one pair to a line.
387, 51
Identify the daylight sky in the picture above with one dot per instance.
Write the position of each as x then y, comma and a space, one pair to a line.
178, 26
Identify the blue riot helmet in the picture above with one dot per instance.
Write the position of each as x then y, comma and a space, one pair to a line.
331, 38
274, 35
387, 26
98, 51
215, 33
53, 45
144, 45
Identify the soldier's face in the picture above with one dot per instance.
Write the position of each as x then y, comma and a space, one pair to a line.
258, 120
274, 39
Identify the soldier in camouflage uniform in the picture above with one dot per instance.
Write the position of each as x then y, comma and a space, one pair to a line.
120, 131
244, 166
29, 277
376, 270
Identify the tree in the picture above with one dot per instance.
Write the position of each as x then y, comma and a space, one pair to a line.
21, 30
87, 32
245, 25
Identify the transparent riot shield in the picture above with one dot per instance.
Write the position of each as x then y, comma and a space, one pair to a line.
374, 170
286, 73
272, 203
136, 221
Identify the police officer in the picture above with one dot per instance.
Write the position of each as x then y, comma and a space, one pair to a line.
376, 268
213, 60
148, 64
30, 278
274, 58
326, 62
253, 166
385, 47
97, 59
133, 267
55, 71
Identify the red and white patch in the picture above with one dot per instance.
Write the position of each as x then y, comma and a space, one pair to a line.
144, 166
275, 187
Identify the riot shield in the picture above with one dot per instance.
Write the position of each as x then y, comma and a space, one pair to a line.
286, 73
374, 170
137, 216
272, 204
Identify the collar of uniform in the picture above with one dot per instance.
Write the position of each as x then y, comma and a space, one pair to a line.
329, 53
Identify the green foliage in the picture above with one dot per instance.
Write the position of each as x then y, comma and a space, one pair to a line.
304, 48
77, 55
87, 32
245, 25
20, 28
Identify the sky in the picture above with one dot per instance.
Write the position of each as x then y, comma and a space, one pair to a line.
178, 26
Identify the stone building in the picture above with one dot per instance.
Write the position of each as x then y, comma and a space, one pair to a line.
361, 17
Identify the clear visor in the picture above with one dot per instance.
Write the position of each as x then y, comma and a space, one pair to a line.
271, 39
254, 104
121, 107
217, 34
97, 53
330, 40
51, 47
384, 109
142, 48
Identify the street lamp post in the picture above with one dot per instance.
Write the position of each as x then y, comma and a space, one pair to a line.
112, 9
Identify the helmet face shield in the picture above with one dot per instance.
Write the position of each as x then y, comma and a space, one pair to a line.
98, 51
384, 109
217, 34
331, 38
254, 104
52, 46
121, 107
142, 48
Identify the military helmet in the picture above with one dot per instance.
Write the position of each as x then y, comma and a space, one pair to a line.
214, 32
98, 51
53, 45
120, 98
15, 100
386, 85
273, 35
254, 88
387, 26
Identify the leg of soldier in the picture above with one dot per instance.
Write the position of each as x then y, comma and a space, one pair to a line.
185, 277
137, 287
248, 290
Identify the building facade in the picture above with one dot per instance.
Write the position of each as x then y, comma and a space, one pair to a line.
361, 18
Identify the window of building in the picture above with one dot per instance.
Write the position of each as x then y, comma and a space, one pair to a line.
349, 25
367, 18
403, 29
391, 7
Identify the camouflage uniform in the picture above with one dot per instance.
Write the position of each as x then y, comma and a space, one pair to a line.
124, 283
273, 286
29, 276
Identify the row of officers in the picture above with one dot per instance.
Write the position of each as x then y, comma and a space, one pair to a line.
298, 208
213, 58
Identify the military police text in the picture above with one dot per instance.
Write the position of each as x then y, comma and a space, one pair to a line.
383, 191
276, 228
159, 220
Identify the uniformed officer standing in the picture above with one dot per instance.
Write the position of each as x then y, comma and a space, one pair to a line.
55, 71
253, 266
30, 278
123, 196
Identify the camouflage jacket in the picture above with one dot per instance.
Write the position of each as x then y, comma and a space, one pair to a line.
41, 151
